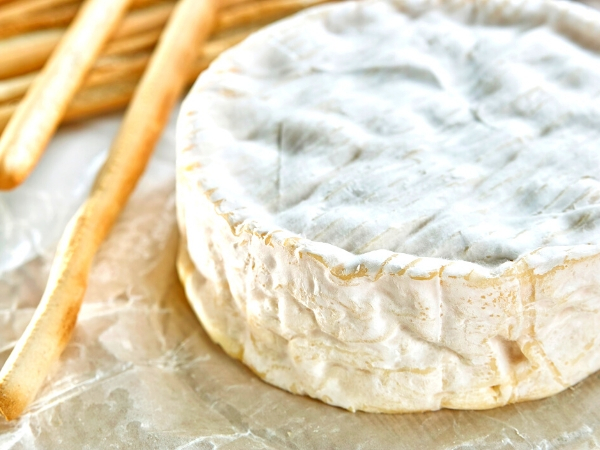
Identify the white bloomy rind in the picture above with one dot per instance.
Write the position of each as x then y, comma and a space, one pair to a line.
379, 331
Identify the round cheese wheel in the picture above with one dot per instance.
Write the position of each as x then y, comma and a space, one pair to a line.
394, 206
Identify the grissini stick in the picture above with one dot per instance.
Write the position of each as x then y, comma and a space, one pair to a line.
40, 112
260, 12
140, 20
59, 16
28, 52
110, 86
23, 54
18, 10
107, 69
90, 101
14, 88
115, 72
54, 319
132, 44
27, 14
116, 95
38, 37
237, 16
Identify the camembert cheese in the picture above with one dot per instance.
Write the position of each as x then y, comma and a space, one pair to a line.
394, 206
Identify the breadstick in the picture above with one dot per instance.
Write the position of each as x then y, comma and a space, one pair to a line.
54, 320
216, 46
116, 95
107, 69
41, 110
60, 16
110, 69
111, 84
260, 12
23, 54
15, 88
102, 98
145, 19
29, 52
154, 15
23, 8
6, 111
89, 102
132, 44
145, 3
26, 53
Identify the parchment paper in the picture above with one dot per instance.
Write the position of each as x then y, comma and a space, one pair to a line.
141, 373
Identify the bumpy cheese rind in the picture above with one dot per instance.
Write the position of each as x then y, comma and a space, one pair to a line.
381, 331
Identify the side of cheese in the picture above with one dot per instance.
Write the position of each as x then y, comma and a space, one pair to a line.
443, 255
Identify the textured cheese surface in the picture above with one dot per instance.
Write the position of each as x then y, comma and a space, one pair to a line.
413, 133
394, 206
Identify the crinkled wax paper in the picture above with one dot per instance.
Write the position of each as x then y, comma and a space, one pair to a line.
141, 373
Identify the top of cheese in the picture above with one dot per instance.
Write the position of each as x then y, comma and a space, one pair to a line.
454, 129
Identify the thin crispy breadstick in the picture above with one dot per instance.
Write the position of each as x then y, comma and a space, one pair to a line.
89, 102
26, 53
218, 45
6, 111
54, 320
107, 69
102, 96
145, 3
23, 8
41, 110
15, 88
19, 56
145, 19
108, 72
60, 16
132, 44
116, 95
228, 3
152, 12
260, 12
102, 99
110, 69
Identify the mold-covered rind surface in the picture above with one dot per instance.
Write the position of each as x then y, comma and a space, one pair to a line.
371, 130
384, 331
410, 334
